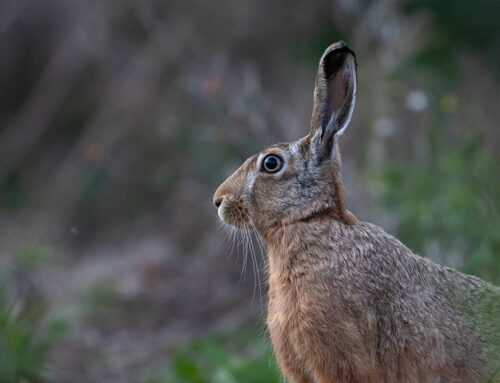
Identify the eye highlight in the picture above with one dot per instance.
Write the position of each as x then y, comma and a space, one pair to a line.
272, 163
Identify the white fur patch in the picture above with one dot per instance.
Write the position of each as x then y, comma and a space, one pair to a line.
251, 177
351, 109
219, 213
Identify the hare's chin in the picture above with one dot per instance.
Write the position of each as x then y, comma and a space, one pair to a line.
228, 220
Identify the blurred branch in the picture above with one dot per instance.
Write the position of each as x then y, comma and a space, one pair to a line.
10, 13
34, 117
123, 105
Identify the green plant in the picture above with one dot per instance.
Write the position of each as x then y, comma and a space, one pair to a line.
448, 205
24, 343
209, 361
458, 26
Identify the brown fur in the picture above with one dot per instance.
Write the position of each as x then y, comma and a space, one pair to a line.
347, 301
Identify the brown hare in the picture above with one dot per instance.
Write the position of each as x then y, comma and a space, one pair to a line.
347, 301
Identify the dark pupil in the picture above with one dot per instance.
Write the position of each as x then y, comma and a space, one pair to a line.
271, 163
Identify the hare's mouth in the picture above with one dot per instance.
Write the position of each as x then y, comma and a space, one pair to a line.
235, 213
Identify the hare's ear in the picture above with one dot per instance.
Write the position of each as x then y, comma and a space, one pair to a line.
334, 98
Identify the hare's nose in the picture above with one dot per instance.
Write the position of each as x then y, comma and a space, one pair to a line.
217, 202
219, 195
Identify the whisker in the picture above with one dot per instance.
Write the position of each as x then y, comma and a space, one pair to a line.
263, 253
255, 267
229, 238
262, 246
243, 239
247, 241
221, 225
245, 251
233, 241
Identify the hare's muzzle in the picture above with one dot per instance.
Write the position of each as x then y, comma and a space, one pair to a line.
217, 202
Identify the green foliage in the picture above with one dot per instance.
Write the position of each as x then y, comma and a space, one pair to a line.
33, 255
24, 343
448, 205
469, 22
13, 192
100, 301
100, 293
460, 26
211, 362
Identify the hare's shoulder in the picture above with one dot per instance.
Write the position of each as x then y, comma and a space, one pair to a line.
395, 267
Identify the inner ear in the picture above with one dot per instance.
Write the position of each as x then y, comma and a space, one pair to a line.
337, 89
334, 99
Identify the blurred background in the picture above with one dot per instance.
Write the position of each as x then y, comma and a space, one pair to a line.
119, 119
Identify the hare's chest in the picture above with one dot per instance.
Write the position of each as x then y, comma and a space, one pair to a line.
285, 319
283, 308
299, 327
290, 312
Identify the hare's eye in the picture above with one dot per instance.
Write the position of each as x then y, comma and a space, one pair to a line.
272, 163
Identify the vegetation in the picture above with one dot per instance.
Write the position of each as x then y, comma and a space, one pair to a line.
448, 206
210, 361
24, 343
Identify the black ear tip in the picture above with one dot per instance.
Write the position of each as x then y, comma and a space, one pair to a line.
340, 47
335, 46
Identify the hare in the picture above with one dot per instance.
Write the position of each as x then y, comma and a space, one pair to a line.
347, 301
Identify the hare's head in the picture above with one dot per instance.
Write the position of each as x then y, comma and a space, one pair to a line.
298, 180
